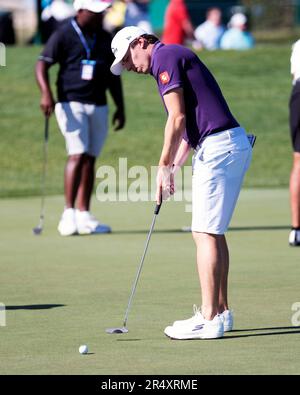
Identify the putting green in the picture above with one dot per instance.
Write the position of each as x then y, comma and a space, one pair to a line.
61, 293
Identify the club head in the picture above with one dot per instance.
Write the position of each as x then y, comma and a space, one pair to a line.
112, 331
37, 231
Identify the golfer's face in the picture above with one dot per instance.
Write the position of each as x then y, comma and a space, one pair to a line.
137, 60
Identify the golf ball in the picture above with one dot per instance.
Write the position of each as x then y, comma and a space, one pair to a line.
83, 349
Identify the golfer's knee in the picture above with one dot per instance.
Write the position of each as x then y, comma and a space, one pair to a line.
296, 161
77, 158
204, 236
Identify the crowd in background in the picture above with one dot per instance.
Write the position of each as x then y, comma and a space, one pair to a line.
211, 34
178, 28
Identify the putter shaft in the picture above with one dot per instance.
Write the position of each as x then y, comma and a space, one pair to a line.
39, 228
139, 270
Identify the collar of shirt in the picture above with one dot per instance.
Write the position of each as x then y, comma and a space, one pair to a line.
155, 48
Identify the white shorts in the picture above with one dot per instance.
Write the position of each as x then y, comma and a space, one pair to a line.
219, 166
84, 126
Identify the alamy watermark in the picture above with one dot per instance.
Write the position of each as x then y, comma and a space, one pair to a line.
138, 183
2, 55
295, 320
2, 315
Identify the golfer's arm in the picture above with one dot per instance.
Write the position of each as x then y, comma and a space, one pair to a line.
182, 154
42, 77
175, 126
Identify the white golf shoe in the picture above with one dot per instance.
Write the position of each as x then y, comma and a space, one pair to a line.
67, 224
228, 320
197, 328
226, 316
294, 238
87, 224
196, 317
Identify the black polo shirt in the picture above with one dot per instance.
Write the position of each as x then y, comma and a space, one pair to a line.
65, 48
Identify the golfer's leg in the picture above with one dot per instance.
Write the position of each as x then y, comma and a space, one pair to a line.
223, 296
209, 263
86, 183
72, 178
73, 123
295, 191
96, 135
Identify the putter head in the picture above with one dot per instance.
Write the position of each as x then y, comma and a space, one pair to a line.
37, 230
116, 330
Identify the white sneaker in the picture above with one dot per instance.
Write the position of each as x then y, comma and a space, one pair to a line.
228, 320
201, 329
227, 317
87, 224
294, 238
67, 224
196, 317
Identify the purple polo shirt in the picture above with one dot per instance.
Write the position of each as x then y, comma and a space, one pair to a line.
207, 112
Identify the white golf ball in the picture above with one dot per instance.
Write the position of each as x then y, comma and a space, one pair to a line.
83, 349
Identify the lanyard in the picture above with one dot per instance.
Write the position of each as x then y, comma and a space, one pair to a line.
83, 40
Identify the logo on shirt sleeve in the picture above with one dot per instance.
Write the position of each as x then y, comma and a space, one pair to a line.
164, 77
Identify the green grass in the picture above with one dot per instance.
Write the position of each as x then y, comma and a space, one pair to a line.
256, 84
64, 292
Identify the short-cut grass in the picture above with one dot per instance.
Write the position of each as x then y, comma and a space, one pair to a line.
63, 292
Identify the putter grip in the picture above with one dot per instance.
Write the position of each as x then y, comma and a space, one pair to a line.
46, 128
157, 208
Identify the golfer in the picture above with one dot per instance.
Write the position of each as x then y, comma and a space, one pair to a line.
82, 49
198, 119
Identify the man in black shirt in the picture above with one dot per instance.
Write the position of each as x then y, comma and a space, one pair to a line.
82, 49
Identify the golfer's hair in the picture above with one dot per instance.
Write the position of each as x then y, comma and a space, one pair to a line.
151, 39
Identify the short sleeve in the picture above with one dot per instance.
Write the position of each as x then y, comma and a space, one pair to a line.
169, 75
52, 50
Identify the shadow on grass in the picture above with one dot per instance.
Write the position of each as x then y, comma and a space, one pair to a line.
275, 227
185, 229
284, 332
265, 329
128, 340
136, 232
34, 307
278, 331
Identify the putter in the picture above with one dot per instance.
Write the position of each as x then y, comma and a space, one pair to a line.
38, 229
124, 329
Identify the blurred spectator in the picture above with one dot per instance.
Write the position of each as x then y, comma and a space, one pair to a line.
178, 25
115, 17
7, 32
237, 37
294, 120
53, 15
82, 49
209, 33
137, 14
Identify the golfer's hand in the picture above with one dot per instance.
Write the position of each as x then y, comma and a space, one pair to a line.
47, 104
164, 183
118, 119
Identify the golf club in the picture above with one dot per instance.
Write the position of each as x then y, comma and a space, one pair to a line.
38, 230
124, 329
